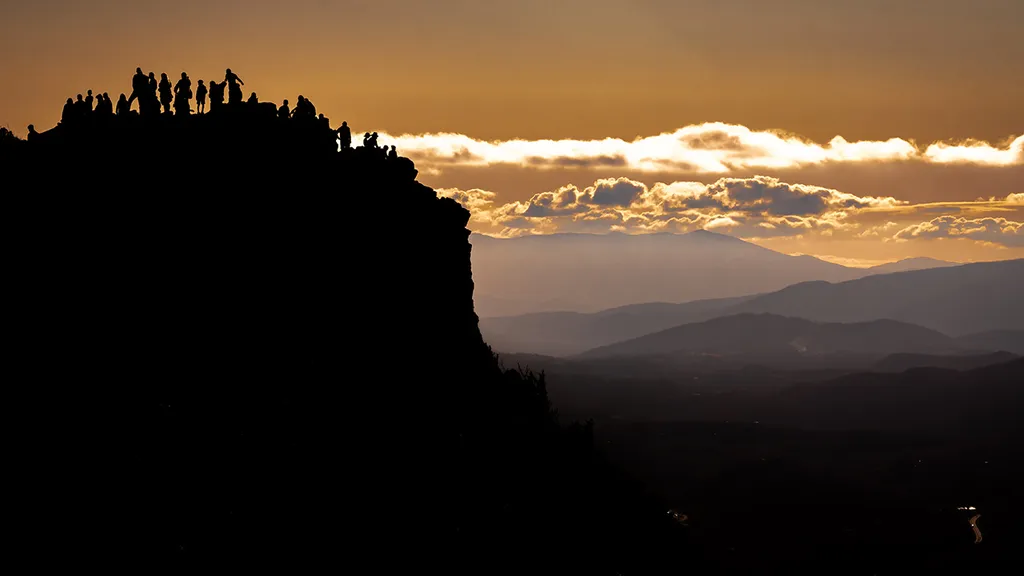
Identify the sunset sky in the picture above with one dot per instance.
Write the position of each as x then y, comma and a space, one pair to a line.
860, 132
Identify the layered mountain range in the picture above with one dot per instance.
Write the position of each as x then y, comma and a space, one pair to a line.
593, 272
977, 305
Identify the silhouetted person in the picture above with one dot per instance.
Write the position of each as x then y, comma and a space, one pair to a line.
345, 135
153, 106
284, 112
393, 154
234, 87
217, 96
183, 94
166, 96
89, 101
104, 108
301, 109
80, 109
253, 100
144, 88
139, 86
373, 140
67, 116
366, 140
32, 134
123, 106
201, 97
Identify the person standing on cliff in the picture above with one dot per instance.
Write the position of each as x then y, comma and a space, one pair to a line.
166, 97
80, 110
201, 97
234, 87
183, 94
139, 84
152, 93
216, 94
68, 115
345, 135
123, 107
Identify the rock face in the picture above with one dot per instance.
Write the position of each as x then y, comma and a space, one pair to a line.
271, 325
242, 347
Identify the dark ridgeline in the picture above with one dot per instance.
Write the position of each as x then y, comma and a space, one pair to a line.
241, 347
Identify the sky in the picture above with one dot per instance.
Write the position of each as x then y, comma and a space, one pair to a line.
854, 131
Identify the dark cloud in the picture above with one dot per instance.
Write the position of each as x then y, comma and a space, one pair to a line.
461, 156
715, 140
912, 181
995, 230
563, 201
617, 161
758, 207
621, 192
941, 209
769, 196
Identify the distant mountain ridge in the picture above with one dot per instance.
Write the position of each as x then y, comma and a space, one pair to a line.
591, 272
566, 333
955, 300
765, 335
910, 264
902, 362
976, 302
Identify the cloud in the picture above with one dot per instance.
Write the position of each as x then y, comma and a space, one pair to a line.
992, 230
975, 152
712, 148
757, 207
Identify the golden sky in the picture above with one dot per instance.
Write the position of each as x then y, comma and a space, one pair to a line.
664, 93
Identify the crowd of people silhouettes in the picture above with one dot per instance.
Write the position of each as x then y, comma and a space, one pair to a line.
160, 97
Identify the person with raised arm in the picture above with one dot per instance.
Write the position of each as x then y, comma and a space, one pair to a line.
234, 87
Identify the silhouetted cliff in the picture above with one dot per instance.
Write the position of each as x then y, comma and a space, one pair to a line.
244, 347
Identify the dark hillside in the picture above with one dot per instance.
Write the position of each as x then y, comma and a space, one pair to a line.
242, 347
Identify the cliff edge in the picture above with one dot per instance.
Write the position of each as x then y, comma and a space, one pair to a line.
251, 347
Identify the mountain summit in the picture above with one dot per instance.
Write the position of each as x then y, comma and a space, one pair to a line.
547, 273
234, 364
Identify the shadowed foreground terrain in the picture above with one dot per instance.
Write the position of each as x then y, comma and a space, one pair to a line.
240, 348
817, 470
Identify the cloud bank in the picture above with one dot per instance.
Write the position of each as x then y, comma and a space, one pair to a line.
712, 148
757, 207
991, 230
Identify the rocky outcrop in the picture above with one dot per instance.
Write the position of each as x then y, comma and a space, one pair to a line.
274, 357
